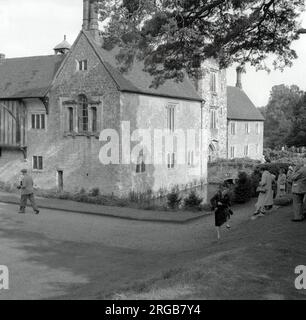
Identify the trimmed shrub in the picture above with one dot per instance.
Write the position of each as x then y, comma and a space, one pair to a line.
174, 199
193, 201
95, 192
283, 201
243, 189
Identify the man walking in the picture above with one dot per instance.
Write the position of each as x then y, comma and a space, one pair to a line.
27, 192
299, 191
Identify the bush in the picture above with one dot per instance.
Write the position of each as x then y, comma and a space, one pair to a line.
95, 192
243, 189
193, 201
174, 199
283, 201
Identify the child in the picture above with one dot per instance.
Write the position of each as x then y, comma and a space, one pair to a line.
221, 205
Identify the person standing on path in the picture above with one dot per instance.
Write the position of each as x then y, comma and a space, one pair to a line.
299, 191
27, 192
265, 198
281, 184
289, 181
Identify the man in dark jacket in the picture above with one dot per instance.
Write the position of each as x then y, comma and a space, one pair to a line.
299, 191
27, 192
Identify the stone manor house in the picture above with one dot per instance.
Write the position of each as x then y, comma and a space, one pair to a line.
53, 108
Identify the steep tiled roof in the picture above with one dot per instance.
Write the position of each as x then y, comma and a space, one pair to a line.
240, 107
28, 77
138, 81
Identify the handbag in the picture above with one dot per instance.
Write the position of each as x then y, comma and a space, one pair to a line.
261, 189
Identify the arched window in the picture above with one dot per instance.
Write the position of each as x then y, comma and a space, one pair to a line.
83, 113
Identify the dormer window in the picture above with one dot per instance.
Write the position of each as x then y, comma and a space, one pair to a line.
82, 65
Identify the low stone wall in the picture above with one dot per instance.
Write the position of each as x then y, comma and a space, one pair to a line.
222, 170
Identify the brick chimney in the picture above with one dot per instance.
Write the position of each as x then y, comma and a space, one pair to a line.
90, 19
240, 70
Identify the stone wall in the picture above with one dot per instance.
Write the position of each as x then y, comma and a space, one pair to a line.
241, 139
148, 112
215, 101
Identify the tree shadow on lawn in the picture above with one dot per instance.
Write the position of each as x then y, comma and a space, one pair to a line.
105, 268
257, 261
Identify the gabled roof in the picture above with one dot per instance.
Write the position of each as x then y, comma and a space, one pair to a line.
138, 81
240, 107
28, 77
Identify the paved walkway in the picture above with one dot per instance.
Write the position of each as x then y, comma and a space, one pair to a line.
108, 211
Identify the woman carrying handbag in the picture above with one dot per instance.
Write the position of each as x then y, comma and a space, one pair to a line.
265, 197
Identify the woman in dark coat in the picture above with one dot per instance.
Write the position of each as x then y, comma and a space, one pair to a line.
221, 205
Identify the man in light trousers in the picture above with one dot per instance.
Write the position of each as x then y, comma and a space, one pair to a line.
27, 192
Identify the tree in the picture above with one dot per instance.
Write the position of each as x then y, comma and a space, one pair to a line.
279, 115
297, 136
172, 37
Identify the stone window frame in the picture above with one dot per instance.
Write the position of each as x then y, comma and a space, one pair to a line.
190, 159
82, 65
36, 160
36, 114
213, 81
83, 114
171, 109
213, 118
72, 103
171, 161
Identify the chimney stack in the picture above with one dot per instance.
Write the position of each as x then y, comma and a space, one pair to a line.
85, 15
239, 70
94, 24
91, 19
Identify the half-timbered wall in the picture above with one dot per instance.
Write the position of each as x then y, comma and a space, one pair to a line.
12, 123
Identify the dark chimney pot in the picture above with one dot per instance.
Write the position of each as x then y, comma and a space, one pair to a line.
239, 70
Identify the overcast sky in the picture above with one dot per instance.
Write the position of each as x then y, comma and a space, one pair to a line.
35, 27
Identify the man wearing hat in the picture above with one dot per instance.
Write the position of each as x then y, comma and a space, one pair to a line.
299, 193
27, 192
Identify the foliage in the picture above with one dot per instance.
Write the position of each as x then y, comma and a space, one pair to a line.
174, 37
243, 189
273, 168
237, 162
279, 115
174, 199
297, 136
94, 192
284, 156
193, 201
283, 201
